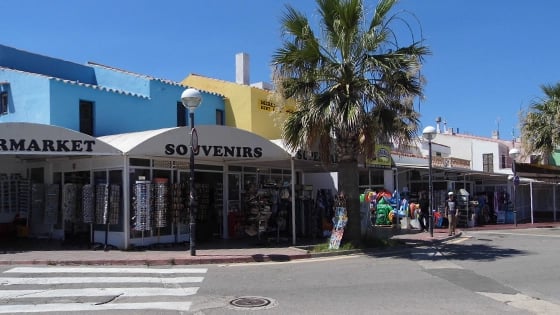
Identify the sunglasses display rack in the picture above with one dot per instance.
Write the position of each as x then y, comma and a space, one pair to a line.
114, 203
142, 206
178, 201
69, 204
37, 203
160, 204
52, 204
14, 194
101, 203
88, 209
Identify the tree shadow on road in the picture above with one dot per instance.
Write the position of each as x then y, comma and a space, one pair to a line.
424, 250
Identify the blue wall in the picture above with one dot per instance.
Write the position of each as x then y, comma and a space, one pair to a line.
116, 79
28, 97
123, 101
35, 63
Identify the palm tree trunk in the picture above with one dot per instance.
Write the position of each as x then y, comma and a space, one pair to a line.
348, 185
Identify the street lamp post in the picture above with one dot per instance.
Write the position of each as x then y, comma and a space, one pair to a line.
429, 133
191, 99
514, 153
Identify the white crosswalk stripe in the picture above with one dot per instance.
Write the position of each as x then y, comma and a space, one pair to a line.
69, 280
105, 270
75, 289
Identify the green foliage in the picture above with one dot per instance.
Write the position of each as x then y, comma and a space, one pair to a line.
540, 126
353, 83
368, 243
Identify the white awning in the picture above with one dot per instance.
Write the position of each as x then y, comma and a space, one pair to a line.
21, 139
216, 143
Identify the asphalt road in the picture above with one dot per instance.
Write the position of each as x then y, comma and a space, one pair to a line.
514, 272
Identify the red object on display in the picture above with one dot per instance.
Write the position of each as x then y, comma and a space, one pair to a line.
384, 193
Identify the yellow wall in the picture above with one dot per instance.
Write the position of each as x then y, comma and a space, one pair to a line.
247, 108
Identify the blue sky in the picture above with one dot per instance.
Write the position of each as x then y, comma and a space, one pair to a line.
489, 57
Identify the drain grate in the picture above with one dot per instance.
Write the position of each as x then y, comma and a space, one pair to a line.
252, 302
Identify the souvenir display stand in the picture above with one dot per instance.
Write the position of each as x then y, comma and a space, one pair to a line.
52, 205
178, 208
463, 211
264, 211
15, 199
161, 198
259, 206
304, 208
88, 210
339, 222
142, 207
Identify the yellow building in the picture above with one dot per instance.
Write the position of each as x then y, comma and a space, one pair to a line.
250, 107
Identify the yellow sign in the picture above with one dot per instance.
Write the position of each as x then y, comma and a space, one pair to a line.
267, 105
382, 157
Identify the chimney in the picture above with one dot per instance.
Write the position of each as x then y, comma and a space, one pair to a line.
438, 123
242, 68
496, 134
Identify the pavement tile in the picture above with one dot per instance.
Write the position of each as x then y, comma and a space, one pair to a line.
218, 254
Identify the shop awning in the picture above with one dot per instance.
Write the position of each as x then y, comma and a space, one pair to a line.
216, 143
545, 173
29, 139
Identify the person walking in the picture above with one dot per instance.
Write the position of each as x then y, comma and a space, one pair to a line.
451, 212
424, 217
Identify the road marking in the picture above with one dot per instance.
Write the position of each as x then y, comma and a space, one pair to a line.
457, 240
104, 270
73, 280
438, 264
524, 302
517, 234
46, 283
121, 292
77, 307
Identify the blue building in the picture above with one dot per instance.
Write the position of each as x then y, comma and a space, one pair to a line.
93, 99
95, 154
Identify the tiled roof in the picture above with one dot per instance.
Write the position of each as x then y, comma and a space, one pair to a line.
78, 83
166, 81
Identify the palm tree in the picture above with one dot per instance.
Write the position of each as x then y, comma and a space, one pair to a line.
354, 87
540, 127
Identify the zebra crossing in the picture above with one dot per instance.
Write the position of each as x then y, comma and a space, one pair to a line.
79, 289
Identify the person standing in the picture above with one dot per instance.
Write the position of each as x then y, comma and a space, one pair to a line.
424, 217
451, 212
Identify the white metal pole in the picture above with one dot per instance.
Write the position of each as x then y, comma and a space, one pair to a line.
554, 200
293, 201
225, 200
531, 188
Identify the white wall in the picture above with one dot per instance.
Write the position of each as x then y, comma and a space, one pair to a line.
473, 148
322, 181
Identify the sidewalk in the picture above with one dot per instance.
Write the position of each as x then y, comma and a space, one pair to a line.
215, 253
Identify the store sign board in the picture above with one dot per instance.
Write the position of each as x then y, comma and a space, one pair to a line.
215, 143
269, 106
314, 156
30, 138
215, 150
46, 145
382, 158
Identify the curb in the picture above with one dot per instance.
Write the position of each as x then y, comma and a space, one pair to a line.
161, 262
336, 253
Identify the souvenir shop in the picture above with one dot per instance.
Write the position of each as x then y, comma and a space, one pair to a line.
31, 183
482, 198
131, 190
